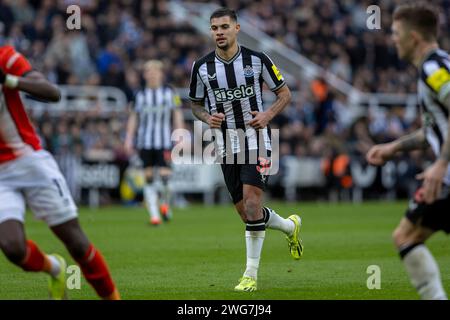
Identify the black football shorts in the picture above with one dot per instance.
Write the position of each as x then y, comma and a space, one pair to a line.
154, 157
236, 175
435, 216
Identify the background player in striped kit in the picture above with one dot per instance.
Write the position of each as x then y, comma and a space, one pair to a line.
154, 108
228, 81
415, 29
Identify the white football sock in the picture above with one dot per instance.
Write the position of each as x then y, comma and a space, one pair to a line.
424, 273
278, 223
167, 196
254, 241
56, 267
151, 199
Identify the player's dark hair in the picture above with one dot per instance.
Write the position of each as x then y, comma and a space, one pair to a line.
224, 12
421, 17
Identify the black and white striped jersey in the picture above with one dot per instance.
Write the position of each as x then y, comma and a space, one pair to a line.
433, 88
234, 88
154, 108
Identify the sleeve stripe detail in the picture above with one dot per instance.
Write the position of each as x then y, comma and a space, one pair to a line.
279, 86
445, 90
12, 60
196, 99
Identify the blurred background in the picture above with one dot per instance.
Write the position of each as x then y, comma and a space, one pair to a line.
349, 91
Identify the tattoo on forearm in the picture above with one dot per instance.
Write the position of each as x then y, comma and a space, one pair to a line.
413, 141
280, 103
200, 112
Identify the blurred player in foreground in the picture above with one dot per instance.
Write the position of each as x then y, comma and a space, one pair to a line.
154, 108
414, 32
30, 176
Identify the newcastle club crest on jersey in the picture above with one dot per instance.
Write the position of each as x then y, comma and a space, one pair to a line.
427, 120
248, 72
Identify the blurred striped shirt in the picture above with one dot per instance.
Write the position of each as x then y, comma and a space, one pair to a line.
154, 108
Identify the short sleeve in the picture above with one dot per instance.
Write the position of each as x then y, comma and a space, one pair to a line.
196, 87
436, 75
137, 101
270, 73
14, 62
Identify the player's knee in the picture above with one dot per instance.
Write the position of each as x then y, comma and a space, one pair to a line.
165, 179
14, 250
149, 179
399, 237
402, 237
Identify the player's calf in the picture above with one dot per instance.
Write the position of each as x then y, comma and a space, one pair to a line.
420, 264
91, 261
96, 272
73, 237
14, 250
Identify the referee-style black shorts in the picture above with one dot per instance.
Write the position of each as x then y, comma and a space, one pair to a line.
435, 216
153, 157
236, 175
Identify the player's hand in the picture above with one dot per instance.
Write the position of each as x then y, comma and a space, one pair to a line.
432, 180
379, 154
260, 120
215, 120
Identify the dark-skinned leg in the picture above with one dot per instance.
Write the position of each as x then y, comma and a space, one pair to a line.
22, 252
88, 257
13, 241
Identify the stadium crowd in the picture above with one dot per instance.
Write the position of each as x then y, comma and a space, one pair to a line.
117, 37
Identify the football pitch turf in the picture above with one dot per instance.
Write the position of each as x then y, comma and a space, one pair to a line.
201, 254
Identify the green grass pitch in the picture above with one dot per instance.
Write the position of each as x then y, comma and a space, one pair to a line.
201, 254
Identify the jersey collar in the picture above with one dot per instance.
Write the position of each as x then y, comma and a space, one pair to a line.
232, 59
427, 55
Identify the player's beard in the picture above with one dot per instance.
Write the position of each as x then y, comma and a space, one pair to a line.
406, 51
223, 47
405, 55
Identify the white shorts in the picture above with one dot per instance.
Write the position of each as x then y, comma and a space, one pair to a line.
35, 180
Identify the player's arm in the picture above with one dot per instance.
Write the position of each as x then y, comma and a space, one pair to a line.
380, 153
214, 121
413, 141
275, 81
197, 97
178, 118
131, 130
33, 83
261, 119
